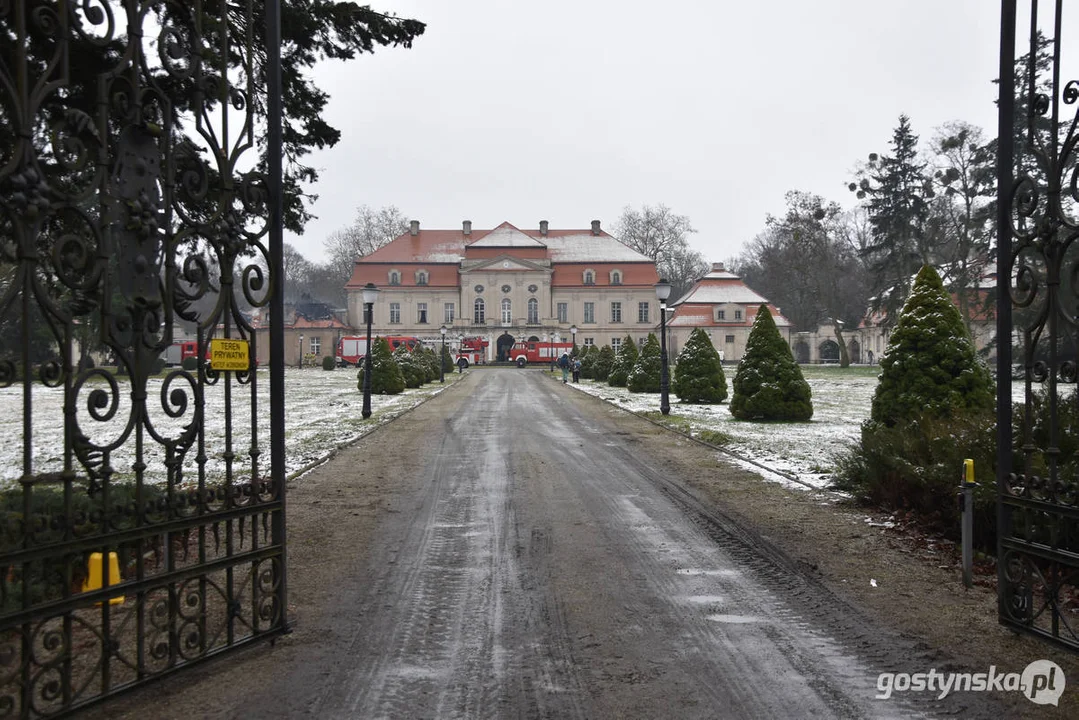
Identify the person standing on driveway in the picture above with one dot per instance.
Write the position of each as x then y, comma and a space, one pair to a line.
563, 362
576, 370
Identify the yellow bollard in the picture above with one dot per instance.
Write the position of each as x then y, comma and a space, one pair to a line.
93, 579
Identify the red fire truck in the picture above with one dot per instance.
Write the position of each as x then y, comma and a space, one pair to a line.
351, 349
473, 351
538, 352
176, 353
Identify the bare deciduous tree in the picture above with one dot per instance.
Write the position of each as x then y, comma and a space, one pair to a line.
660, 234
368, 232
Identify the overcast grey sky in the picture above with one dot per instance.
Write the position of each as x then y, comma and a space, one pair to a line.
570, 110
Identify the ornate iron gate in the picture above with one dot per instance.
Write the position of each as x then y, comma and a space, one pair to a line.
1038, 301
141, 528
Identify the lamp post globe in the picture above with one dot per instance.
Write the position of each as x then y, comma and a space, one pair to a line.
663, 291
370, 294
442, 356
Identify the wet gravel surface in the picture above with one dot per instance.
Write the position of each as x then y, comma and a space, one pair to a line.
515, 549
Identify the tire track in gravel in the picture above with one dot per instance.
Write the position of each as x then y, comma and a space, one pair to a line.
464, 629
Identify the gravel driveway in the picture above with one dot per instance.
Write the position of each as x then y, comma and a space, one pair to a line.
515, 549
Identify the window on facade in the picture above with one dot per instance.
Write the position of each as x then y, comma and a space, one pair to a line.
478, 312
395, 278
616, 278
589, 277
395, 312
721, 314
533, 311
589, 312
729, 339
421, 278
616, 344
447, 316
616, 312
589, 342
316, 346
737, 314
642, 312
421, 313
507, 311
563, 312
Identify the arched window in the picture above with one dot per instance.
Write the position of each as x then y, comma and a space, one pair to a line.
616, 277
589, 277
421, 277
507, 314
395, 277
478, 314
533, 311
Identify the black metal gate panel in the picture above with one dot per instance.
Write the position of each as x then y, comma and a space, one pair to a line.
1038, 312
141, 504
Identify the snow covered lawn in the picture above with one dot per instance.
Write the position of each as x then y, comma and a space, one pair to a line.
803, 450
322, 412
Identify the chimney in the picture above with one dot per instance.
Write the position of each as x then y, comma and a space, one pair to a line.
466, 227
718, 267
414, 228
543, 228
595, 227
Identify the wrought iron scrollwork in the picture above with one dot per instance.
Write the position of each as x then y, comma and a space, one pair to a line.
141, 524
1038, 310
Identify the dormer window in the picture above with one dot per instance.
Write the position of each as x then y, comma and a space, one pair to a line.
616, 277
395, 277
589, 277
421, 277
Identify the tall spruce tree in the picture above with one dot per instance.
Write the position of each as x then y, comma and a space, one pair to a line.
623, 363
898, 189
930, 367
700, 377
768, 384
645, 375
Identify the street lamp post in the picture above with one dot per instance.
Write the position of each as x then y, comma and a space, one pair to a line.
442, 357
299, 360
663, 291
370, 294
573, 360
460, 349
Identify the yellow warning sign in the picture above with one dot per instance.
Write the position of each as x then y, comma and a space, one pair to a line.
228, 354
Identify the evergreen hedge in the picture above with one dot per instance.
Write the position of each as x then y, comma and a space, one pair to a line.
700, 377
623, 363
768, 384
645, 375
601, 367
386, 375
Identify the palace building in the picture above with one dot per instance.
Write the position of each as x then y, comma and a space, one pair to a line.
507, 285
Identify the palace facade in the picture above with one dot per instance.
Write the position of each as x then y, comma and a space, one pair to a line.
506, 285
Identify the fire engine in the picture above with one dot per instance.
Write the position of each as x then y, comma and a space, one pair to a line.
473, 351
538, 352
176, 353
351, 349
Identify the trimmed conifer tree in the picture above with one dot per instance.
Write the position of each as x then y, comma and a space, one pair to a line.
623, 363
601, 368
645, 375
386, 376
412, 368
588, 360
768, 384
930, 367
700, 377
